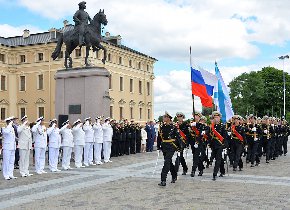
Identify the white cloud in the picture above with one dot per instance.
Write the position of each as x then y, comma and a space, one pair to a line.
9, 31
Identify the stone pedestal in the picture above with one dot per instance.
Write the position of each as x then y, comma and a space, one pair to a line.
82, 92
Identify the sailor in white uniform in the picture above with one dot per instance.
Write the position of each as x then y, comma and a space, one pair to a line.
40, 138
67, 144
98, 136
79, 142
89, 140
25, 145
54, 145
9, 147
107, 137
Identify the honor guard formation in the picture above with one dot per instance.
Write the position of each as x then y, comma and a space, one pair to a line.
85, 143
257, 140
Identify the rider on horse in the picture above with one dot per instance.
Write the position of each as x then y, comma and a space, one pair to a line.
81, 18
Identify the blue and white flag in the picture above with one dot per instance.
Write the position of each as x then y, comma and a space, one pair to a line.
222, 98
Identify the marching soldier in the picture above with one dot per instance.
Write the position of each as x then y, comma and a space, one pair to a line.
89, 142
79, 143
266, 138
182, 128
67, 144
54, 145
168, 141
25, 145
203, 146
40, 139
9, 147
217, 141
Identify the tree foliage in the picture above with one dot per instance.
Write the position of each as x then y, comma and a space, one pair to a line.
260, 92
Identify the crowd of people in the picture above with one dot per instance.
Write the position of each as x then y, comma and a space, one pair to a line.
85, 142
251, 137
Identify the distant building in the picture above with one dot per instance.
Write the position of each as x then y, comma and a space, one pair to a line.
27, 84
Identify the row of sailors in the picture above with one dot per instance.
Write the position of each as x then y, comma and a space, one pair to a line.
266, 137
80, 138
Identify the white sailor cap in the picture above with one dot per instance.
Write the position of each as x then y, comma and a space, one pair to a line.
107, 119
52, 121
88, 118
24, 118
65, 123
76, 122
9, 119
40, 119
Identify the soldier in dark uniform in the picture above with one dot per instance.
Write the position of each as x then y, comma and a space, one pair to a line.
138, 138
128, 137
122, 139
253, 135
204, 128
168, 141
132, 137
81, 18
115, 140
217, 141
285, 137
182, 128
238, 140
268, 131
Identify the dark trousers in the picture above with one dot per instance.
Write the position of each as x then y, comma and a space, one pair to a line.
195, 157
267, 145
252, 150
181, 160
121, 147
168, 165
285, 140
149, 145
17, 157
138, 145
219, 163
237, 150
132, 146
127, 147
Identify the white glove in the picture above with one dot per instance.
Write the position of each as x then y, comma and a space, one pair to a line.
195, 146
158, 152
229, 133
25, 122
254, 129
255, 139
53, 125
178, 153
272, 125
225, 151
265, 131
203, 132
193, 124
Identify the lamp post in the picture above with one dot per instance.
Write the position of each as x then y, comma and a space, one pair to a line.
284, 85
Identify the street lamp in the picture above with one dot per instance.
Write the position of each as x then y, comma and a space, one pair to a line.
284, 89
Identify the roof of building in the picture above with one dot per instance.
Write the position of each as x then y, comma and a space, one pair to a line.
45, 37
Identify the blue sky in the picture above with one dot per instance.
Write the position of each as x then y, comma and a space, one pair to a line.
241, 36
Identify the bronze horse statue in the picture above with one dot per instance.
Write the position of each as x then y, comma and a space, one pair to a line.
92, 38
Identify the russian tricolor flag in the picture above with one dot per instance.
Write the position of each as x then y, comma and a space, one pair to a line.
203, 84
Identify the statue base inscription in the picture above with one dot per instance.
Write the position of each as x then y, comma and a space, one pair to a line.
82, 92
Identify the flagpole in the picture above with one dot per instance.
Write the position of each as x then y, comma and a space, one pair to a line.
193, 110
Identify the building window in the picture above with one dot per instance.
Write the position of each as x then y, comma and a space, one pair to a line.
109, 57
78, 53
22, 83
60, 55
121, 113
140, 113
40, 56
40, 82
22, 59
140, 87
120, 60
3, 113
148, 88
22, 112
111, 112
147, 67
41, 111
2, 57
149, 114
121, 84
110, 82
139, 65
131, 85
130, 63
131, 113
3, 82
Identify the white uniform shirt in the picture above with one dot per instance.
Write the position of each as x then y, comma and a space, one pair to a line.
79, 135
24, 137
39, 136
143, 134
67, 137
107, 132
54, 137
8, 138
98, 133
89, 133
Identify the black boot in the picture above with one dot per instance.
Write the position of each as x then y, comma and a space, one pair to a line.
214, 177
184, 172
174, 180
162, 184
200, 173
192, 174
252, 165
234, 169
240, 169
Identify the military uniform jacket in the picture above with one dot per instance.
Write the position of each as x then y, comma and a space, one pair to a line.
67, 137
214, 140
98, 133
168, 138
24, 137
267, 131
107, 132
39, 136
54, 137
253, 136
238, 134
195, 134
79, 135
89, 133
8, 138
183, 129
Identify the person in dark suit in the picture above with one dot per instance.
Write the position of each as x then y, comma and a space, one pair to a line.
150, 129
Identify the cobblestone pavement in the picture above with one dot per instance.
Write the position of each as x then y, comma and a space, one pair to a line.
129, 183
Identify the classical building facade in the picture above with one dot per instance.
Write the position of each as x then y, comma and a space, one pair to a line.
27, 84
